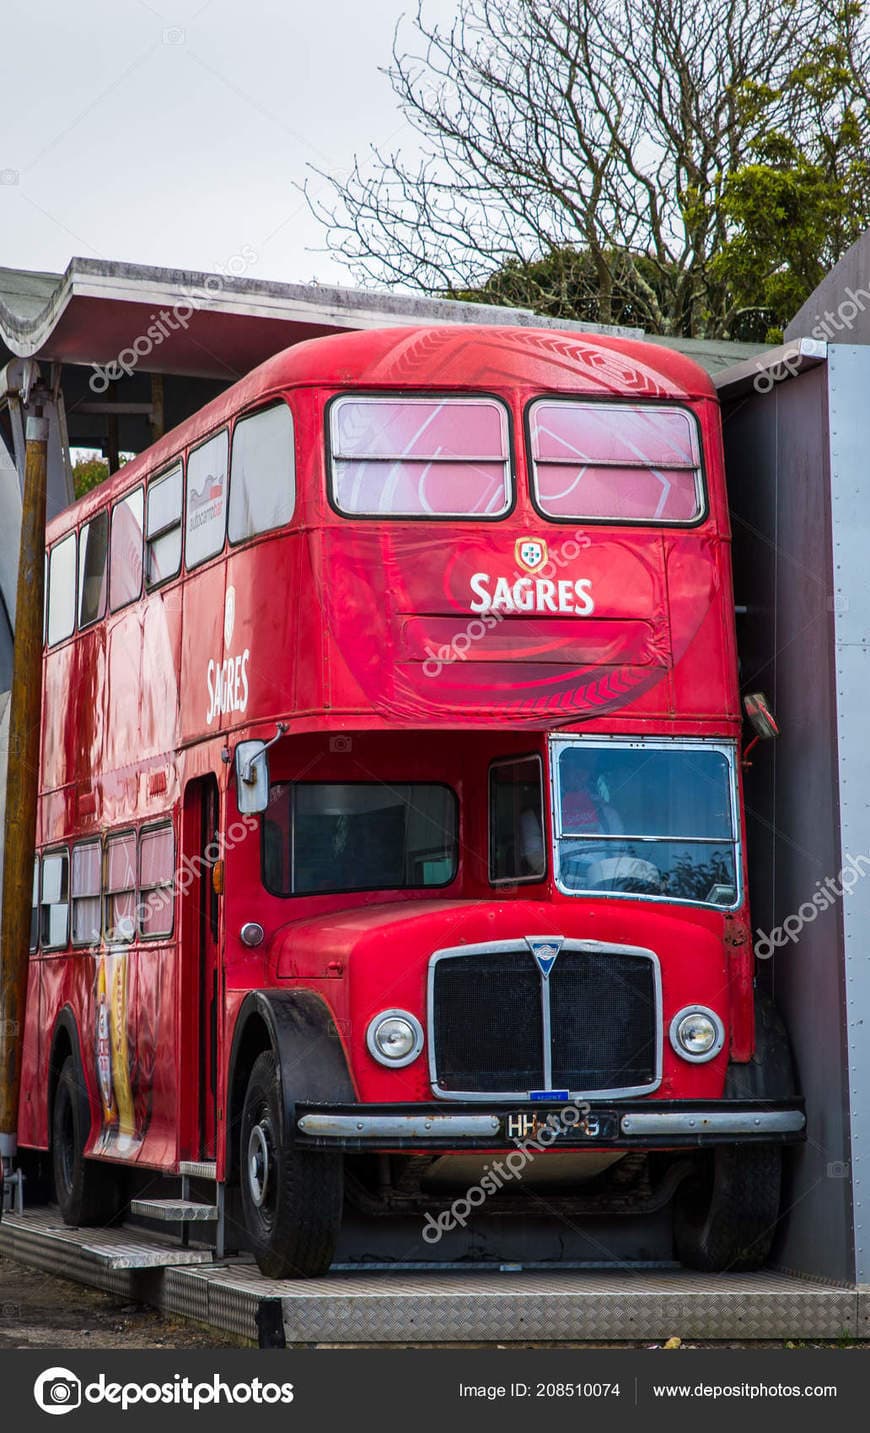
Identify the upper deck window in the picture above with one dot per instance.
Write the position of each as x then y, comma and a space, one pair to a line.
615, 462
93, 561
420, 457
263, 474
163, 528
62, 589
125, 567
206, 499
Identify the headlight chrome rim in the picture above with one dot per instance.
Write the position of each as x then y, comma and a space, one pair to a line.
390, 1062
674, 1035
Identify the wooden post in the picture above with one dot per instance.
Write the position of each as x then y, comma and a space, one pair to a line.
22, 779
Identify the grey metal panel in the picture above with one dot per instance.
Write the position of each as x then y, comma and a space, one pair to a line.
778, 472
479, 1307
198, 1168
850, 516
838, 311
761, 371
39, 1232
175, 1211
439, 1306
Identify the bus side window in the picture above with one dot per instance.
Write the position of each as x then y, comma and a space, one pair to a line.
62, 590
262, 473
156, 870
54, 901
85, 890
121, 887
93, 565
125, 570
206, 499
516, 821
34, 913
163, 528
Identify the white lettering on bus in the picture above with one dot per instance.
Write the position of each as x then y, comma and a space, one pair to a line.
532, 594
227, 686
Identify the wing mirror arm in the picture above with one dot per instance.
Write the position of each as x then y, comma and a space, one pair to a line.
252, 773
247, 774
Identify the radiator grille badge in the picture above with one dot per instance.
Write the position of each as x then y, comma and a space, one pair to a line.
545, 949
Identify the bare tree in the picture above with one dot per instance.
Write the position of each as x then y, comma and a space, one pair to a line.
606, 128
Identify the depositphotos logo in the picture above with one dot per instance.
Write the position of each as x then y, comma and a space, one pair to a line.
57, 1390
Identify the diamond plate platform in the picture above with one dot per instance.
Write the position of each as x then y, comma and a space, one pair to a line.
198, 1168
175, 1211
426, 1306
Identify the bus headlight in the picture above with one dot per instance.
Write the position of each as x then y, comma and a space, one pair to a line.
697, 1034
395, 1038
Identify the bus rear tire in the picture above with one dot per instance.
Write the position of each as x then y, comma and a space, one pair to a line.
292, 1199
87, 1191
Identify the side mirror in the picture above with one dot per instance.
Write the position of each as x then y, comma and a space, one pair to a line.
252, 777
760, 717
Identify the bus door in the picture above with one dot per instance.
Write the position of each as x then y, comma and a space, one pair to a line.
201, 965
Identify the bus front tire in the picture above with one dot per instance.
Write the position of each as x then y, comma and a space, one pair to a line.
292, 1199
725, 1215
87, 1191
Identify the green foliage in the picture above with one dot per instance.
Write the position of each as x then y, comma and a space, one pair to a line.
805, 198
772, 226
88, 473
568, 283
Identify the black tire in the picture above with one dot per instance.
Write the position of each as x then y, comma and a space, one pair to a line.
87, 1191
291, 1199
725, 1215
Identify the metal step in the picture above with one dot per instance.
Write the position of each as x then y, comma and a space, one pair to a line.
175, 1211
198, 1169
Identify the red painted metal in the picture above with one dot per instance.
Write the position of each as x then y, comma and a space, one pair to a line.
346, 630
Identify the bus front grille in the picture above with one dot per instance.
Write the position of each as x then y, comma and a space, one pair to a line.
493, 1016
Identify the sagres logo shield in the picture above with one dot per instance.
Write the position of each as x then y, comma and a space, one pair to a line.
545, 949
530, 553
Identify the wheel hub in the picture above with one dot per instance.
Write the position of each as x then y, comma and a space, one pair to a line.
259, 1164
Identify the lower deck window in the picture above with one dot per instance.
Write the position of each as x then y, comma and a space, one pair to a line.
121, 887
516, 821
54, 901
358, 836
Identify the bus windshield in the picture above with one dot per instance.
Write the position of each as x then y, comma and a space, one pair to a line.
638, 819
322, 837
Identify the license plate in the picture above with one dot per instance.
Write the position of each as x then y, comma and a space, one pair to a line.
530, 1124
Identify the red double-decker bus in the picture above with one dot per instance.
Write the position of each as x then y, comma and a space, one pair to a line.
390, 803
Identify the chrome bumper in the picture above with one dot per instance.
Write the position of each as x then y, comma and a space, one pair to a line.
400, 1126
628, 1124
713, 1122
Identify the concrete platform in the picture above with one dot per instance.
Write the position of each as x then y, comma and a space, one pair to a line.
438, 1305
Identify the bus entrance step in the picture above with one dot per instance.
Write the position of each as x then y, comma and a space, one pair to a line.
198, 1168
175, 1211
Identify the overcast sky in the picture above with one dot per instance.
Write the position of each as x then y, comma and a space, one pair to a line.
173, 132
